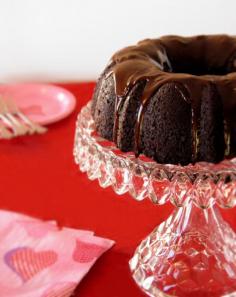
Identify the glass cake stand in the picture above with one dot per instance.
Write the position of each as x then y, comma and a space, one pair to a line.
193, 252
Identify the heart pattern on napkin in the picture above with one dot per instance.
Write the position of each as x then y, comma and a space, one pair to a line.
85, 252
64, 289
26, 262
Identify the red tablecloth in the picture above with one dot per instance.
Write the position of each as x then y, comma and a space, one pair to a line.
39, 178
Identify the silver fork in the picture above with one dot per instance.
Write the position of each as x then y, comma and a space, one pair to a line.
11, 121
32, 126
5, 133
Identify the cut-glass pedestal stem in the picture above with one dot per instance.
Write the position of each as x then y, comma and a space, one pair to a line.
192, 253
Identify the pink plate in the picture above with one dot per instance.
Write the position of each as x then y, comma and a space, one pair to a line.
42, 103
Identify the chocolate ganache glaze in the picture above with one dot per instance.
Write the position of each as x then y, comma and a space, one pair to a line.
193, 63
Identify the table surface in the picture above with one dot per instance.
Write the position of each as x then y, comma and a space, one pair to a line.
39, 178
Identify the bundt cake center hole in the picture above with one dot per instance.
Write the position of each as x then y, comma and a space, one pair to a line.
199, 67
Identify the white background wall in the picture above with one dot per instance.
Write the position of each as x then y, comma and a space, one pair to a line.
73, 39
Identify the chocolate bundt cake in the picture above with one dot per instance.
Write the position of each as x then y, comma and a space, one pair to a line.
172, 99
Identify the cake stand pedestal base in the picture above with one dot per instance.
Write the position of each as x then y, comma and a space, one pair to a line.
192, 253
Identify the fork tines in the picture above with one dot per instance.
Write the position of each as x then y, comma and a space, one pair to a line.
14, 122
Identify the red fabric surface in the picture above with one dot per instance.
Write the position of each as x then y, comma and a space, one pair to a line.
39, 178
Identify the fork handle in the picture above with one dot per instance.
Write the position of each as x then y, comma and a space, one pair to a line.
5, 133
9, 124
37, 128
22, 129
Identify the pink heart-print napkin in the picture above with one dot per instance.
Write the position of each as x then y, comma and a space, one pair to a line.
38, 259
